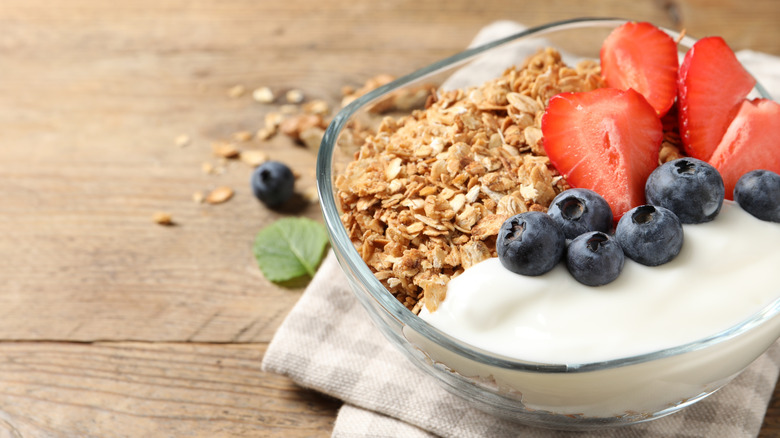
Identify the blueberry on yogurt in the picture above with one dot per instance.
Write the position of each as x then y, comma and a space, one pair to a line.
594, 258
692, 189
530, 243
650, 235
758, 193
579, 210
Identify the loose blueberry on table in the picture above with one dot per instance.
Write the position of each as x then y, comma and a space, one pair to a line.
273, 183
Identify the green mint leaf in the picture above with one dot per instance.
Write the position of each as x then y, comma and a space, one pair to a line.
290, 248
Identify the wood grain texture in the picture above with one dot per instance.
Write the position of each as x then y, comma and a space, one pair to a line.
111, 325
151, 390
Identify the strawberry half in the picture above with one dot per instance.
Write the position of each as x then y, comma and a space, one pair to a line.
750, 142
711, 86
643, 57
606, 140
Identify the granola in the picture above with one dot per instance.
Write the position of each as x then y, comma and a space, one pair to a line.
219, 195
427, 193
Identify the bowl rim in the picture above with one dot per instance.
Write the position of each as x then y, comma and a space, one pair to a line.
353, 265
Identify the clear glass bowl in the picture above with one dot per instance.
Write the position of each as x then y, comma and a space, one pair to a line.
562, 396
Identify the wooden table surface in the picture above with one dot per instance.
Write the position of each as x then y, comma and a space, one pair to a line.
112, 325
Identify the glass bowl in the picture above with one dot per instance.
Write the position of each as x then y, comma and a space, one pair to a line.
575, 396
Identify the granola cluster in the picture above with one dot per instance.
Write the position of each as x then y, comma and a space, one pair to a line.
427, 193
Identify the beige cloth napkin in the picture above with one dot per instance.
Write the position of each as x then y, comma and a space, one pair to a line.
327, 343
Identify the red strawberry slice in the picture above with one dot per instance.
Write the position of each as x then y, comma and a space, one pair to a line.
752, 141
643, 57
711, 86
606, 140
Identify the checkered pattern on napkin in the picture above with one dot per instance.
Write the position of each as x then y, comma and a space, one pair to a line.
327, 343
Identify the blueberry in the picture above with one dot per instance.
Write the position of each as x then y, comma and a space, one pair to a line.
691, 188
530, 243
650, 235
577, 211
272, 182
594, 258
758, 193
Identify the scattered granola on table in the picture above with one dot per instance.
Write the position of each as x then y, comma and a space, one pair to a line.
427, 193
162, 218
219, 195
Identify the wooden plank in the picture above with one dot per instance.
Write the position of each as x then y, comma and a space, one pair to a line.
142, 389
90, 157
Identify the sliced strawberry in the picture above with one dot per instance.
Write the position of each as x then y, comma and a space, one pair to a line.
606, 140
711, 86
671, 120
752, 141
643, 57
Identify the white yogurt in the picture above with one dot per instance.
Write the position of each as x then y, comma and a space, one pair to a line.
728, 269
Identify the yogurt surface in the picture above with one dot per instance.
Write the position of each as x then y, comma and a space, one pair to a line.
727, 270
